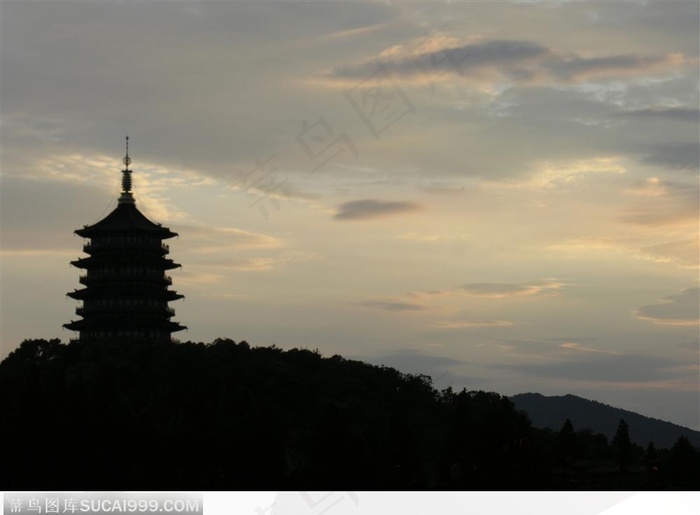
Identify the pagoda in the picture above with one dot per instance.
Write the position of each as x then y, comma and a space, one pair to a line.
126, 291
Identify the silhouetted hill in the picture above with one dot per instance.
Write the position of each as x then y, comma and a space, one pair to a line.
552, 412
227, 416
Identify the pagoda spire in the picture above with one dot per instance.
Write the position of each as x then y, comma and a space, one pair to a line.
126, 196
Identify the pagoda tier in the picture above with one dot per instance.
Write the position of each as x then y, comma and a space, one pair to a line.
126, 291
122, 290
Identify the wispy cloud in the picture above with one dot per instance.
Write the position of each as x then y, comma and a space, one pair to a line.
370, 209
430, 300
575, 67
354, 33
602, 368
681, 114
260, 263
663, 203
684, 252
650, 187
425, 295
548, 175
577, 347
506, 290
393, 305
191, 277
438, 54
484, 60
220, 250
469, 324
682, 309
152, 182
432, 236
684, 157
578, 246
208, 240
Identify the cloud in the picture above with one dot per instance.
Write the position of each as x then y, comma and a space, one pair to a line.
651, 187
684, 157
429, 55
369, 209
469, 324
354, 32
682, 309
663, 203
261, 263
577, 347
608, 368
411, 301
425, 295
505, 290
223, 249
579, 246
576, 68
432, 236
208, 240
423, 300
562, 175
152, 182
685, 252
393, 305
549, 350
191, 278
681, 114
520, 61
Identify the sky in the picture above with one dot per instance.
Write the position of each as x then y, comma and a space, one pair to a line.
503, 195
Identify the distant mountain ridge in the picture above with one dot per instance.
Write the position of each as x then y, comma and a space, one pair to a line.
552, 412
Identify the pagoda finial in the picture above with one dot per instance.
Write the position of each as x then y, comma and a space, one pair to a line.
126, 197
127, 159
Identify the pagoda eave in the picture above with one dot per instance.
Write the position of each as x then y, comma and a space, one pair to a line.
87, 293
162, 264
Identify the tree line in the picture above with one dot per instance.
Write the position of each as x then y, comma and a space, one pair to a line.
228, 416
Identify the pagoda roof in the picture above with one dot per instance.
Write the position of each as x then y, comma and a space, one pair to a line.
126, 217
124, 290
161, 263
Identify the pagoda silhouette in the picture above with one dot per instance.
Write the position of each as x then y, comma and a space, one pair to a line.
126, 291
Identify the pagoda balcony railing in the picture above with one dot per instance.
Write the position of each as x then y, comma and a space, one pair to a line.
125, 277
109, 309
126, 244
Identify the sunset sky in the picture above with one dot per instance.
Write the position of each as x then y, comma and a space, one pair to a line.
501, 195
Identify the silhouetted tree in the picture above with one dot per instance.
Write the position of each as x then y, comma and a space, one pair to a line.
651, 453
592, 445
684, 465
622, 446
566, 444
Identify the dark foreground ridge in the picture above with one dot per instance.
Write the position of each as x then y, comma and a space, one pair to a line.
227, 416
